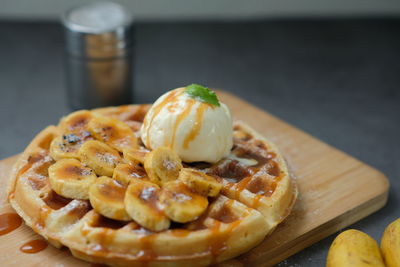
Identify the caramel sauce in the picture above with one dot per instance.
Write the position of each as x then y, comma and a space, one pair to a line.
172, 108
149, 195
55, 201
180, 118
256, 201
180, 232
260, 186
180, 193
73, 171
78, 123
34, 246
271, 155
225, 214
31, 160
109, 223
218, 239
260, 144
103, 236
198, 224
44, 212
246, 153
80, 210
138, 171
274, 170
156, 110
38, 183
9, 222
147, 253
232, 170
42, 167
133, 170
113, 191
197, 125
241, 186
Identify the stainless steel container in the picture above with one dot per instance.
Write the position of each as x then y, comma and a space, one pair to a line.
99, 54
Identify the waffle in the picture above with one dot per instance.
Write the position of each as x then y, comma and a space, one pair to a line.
257, 193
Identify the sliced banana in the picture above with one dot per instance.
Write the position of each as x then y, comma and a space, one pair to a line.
71, 179
99, 156
200, 182
181, 204
112, 132
60, 148
76, 122
124, 173
162, 165
106, 196
141, 202
134, 155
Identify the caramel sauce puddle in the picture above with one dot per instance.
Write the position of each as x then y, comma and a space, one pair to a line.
9, 222
33, 246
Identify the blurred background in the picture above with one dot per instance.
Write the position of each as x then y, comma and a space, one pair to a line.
157, 10
330, 68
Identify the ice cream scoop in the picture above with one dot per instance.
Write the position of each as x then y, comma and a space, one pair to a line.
196, 129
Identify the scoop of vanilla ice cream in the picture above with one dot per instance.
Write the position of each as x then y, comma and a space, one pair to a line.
195, 130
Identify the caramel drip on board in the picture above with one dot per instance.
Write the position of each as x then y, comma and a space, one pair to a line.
157, 110
34, 246
197, 125
9, 222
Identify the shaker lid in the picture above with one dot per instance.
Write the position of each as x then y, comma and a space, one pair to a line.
99, 29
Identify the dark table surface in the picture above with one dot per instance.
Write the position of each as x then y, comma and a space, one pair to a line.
338, 80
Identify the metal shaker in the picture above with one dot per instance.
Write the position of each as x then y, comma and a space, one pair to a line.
99, 53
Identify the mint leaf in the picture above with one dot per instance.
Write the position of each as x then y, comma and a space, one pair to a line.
202, 94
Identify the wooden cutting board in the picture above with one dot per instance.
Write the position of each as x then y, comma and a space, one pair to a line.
335, 190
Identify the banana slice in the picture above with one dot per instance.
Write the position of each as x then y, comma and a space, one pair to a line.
200, 182
99, 156
60, 147
113, 132
180, 203
141, 202
76, 122
124, 173
162, 165
71, 179
135, 155
107, 198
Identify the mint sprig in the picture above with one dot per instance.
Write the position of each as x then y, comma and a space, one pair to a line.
202, 94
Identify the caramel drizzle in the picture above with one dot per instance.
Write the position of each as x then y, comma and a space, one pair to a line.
218, 242
147, 253
197, 125
242, 185
256, 201
157, 110
179, 120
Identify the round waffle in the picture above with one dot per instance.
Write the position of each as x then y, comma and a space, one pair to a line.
256, 193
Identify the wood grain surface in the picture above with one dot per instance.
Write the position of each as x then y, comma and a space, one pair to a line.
335, 190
